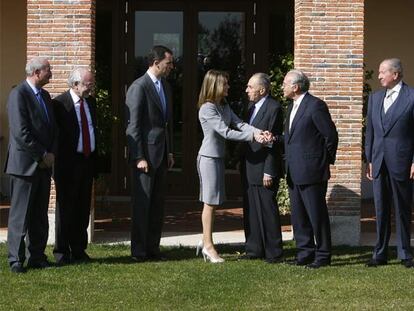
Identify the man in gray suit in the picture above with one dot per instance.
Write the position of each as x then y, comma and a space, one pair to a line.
29, 161
261, 170
389, 148
148, 133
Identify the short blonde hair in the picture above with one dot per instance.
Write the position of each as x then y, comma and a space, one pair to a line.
212, 89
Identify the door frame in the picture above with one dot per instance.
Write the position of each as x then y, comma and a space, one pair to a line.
186, 183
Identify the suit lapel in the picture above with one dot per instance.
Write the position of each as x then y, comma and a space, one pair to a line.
36, 105
378, 108
299, 114
260, 113
72, 117
397, 108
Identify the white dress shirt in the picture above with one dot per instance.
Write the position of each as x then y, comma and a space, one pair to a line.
296, 104
394, 94
257, 107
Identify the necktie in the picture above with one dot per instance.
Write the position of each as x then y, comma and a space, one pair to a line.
250, 117
161, 94
86, 141
43, 104
293, 113
388, 101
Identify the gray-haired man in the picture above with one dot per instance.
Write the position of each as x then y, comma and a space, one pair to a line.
30, 157
75, 166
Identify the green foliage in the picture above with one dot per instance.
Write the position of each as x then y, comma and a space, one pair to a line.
281, 65
105, 120
283, 200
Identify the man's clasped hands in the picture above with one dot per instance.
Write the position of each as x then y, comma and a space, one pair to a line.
264, 137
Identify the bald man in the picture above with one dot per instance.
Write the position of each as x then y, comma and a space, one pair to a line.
261, 170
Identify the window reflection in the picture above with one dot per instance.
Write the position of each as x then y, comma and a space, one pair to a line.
168, 31
221, 45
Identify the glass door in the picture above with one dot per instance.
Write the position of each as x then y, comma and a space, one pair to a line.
202, 35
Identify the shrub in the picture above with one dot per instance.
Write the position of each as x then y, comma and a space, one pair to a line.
280, 66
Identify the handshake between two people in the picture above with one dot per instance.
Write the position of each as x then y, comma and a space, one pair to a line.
264, 137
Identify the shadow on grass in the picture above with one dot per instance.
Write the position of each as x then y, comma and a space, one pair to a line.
341, 255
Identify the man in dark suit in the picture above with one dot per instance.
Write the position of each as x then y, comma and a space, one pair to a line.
261, 170
311, 141
75, 166
389, 149
148, 133
32, 144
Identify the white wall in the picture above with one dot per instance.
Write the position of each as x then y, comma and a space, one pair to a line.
12, 61
389, 27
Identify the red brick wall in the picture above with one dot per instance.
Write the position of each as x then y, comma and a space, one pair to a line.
329, 43
64, 32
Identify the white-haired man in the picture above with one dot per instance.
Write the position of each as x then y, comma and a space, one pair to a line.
75, 168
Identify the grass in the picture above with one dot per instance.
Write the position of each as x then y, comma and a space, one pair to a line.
112, 282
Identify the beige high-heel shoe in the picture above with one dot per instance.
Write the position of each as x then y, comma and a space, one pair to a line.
200, 246
208, 257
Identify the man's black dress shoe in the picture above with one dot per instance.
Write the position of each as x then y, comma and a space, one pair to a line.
408, 263
248, 257
139, 258
375, 263
82, 257
41, 264
296, 262
157, 257
274, 260
17, 267
317, 265
64, 261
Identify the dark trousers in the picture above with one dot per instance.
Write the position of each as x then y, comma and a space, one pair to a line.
28, 216
73, 203
390, 192
264, 236
148, 198
310, 221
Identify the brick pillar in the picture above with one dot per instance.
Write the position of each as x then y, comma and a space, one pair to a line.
64, 32
329, 47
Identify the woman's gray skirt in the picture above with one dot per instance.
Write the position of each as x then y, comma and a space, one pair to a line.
211, 174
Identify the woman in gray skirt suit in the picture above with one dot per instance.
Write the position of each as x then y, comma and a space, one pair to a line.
219, 123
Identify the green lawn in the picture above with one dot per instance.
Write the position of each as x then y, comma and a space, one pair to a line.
113, 282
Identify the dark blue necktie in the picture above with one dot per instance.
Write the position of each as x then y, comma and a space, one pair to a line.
43, 105
162, 98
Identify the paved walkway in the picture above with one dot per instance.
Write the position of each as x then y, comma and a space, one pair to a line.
228, 223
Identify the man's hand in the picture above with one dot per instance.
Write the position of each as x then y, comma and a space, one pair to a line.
267, 181
142, 165
48, 159
264, 137
170, 160
268, 137
369, 171
412, 171
259, 137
